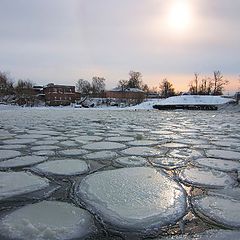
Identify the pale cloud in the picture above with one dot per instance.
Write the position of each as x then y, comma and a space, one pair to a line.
63, 40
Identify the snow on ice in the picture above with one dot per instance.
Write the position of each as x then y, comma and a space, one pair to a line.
142, 151
22, 161
101, 155
168, 163
63, 167
226, 154
132, 161
5, 154
221, 210
47, 220
103, 146
18, 183
204, 177
218, 164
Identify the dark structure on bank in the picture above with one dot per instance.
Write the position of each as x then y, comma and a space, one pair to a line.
63, 95
128, 95
187, 107
56, 95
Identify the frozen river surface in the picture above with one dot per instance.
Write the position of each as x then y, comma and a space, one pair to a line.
119, 174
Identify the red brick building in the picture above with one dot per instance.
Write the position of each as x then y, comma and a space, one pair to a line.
131, 95
56, 95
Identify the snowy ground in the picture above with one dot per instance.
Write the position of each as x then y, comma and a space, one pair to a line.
70, 173
195, 100
149, 103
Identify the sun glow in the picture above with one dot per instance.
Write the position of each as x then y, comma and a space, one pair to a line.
180, 16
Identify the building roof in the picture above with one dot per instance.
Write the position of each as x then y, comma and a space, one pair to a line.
57, 85
119, 89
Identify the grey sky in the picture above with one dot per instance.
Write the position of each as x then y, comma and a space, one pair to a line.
63, 40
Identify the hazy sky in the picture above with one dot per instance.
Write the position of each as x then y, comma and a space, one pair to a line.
61, 41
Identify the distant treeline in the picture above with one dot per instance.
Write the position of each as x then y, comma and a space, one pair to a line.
22, 92
198, 86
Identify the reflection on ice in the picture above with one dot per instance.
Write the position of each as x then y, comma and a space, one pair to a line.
133, 199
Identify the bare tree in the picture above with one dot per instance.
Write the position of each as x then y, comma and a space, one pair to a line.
98, 85
6, 85
201, 87
123, 84
193, 86
218, 83
205, 86
196, 80
135, 80
145, 88
166, 89
25, 94
83, 87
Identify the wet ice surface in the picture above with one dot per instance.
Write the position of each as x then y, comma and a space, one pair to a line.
63, 167
21, 161
218, 209
184, 153
142, 151
69, 147
210, 234
131, 161
5, 154
104, 146
143, 143
73, 152
208, 178
133, 199
48, 147
120, 139
231, 155
168, 163
219, 164
17, 183
101, 155
12, 147
19, 141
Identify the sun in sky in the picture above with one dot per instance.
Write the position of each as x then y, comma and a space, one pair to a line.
179, 15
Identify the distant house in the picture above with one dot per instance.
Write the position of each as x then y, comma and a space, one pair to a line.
38, 91
130, 95
56, 95
153, 95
